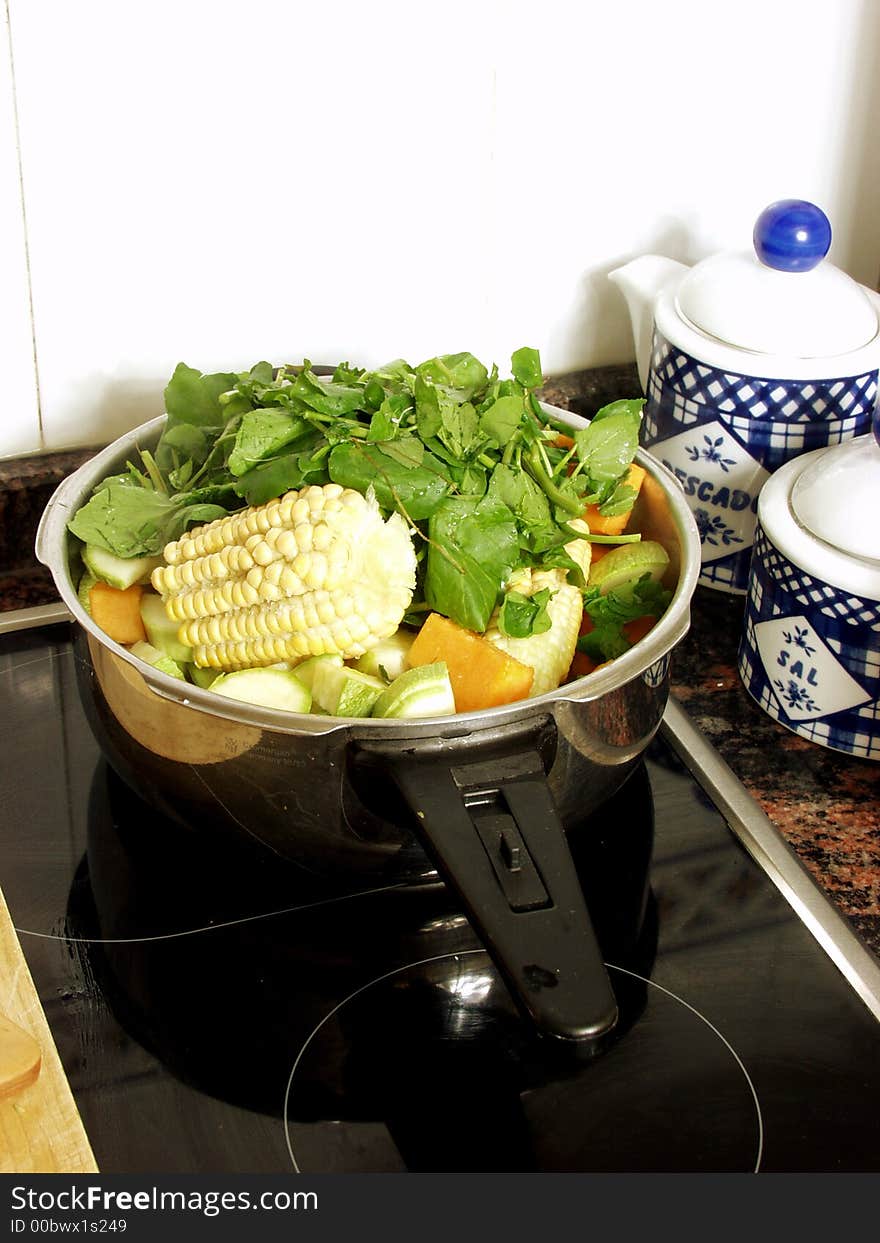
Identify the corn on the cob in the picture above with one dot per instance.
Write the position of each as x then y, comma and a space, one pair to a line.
550, 653
317, 571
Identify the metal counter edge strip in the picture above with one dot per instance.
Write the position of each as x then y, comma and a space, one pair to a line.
766, 845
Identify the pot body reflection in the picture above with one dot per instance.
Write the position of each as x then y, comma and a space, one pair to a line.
326, 801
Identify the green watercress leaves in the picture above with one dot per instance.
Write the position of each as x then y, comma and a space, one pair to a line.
472, 547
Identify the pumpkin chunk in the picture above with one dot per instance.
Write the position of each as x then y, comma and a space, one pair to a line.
482, 676
118, 612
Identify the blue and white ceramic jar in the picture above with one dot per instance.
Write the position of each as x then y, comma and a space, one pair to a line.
749, 360
810, 648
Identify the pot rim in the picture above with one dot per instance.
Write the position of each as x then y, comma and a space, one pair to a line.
52, 549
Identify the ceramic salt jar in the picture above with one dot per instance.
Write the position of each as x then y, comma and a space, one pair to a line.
747, 360
810, 647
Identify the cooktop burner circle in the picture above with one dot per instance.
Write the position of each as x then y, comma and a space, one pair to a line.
431, 1070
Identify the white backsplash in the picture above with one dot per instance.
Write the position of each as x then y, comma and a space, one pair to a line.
19, 424
217, 183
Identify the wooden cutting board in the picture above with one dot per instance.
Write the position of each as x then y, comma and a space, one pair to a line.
40, 1128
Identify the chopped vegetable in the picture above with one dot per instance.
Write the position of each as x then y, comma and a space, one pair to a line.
309, 520
318, 571
547, 652
151, 655
162, 630
307, 670
340, 691
119, 572
482, 675
627, 564
83, 591
424, 691
203, 678
118, 612
636, 629
387, 659
609, 519
267, 688
611, 612
544, 640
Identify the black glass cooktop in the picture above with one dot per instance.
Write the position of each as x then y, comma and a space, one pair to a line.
219, 1010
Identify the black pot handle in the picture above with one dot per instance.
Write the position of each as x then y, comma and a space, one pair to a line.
494, 834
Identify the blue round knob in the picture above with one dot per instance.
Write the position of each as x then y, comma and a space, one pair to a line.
792, 235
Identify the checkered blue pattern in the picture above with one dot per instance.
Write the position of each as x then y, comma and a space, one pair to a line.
774, 420
848, 624
656, 675
728, 573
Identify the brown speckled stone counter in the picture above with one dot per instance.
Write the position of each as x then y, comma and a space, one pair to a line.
26, 484
825, 804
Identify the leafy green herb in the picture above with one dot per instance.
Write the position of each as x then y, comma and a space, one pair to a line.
136, 522
290, 470
611, 612
525, 364
261, 434
459, 376
619, 502
472, 548
415, 491
521, 616
501, 419
607, 445
326, 396
191, 397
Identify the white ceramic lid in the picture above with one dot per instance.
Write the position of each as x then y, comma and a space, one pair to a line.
783, 297
835, 497
820, 510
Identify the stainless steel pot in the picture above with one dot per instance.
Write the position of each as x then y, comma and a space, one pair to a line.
483, 797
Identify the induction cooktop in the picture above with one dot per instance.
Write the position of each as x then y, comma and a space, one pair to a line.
219, 1010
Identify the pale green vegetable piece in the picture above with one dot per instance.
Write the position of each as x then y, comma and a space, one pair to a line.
121, 572
340, 691
266, 688
423, 691
307, 669
151, 655
162, 630
625, 565
201, 677
387, 660
86, 583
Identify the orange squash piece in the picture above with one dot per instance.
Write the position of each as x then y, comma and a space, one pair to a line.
637, 629
117, 612
598, 551
599, 524
482, 676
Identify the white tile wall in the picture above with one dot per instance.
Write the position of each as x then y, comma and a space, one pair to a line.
218, 182
19, 414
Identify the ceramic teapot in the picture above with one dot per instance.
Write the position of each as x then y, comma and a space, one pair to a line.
747, 360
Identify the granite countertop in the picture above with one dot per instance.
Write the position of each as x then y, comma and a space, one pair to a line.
825, 804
